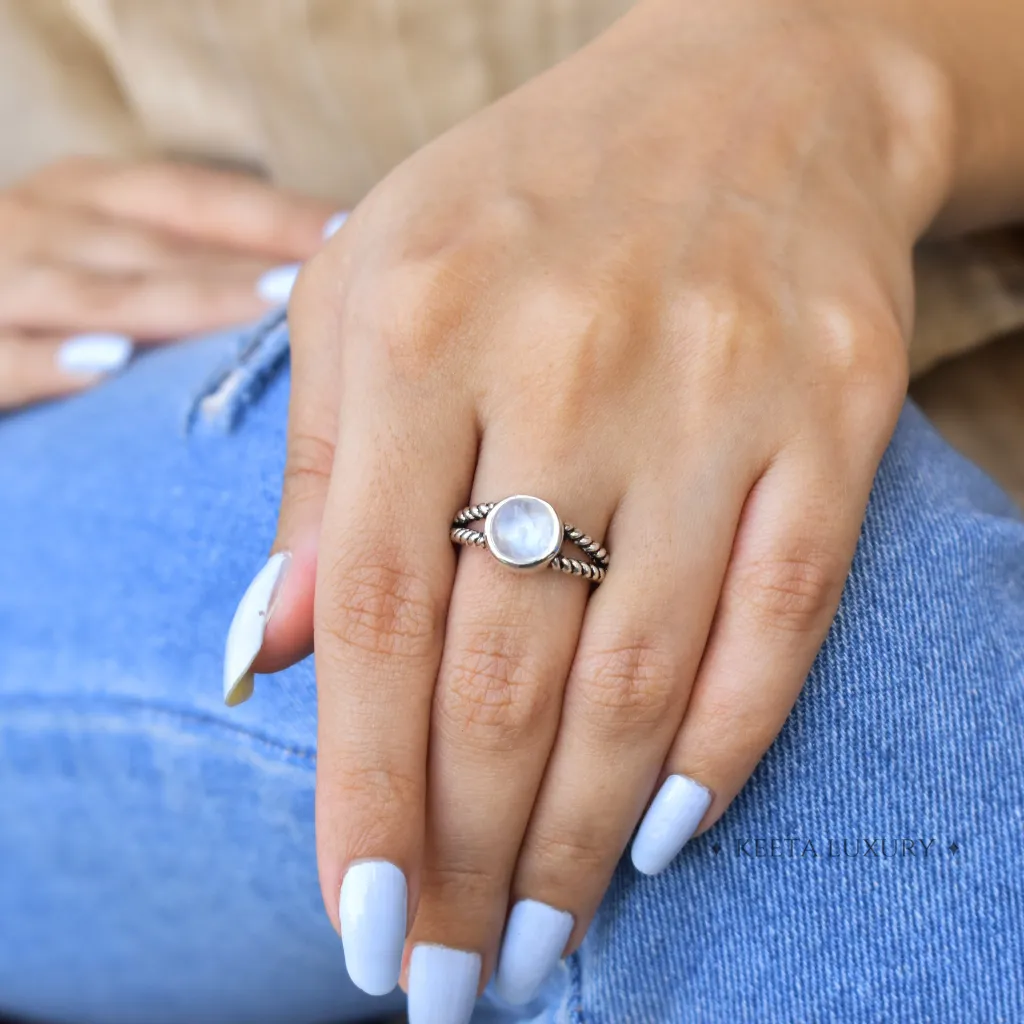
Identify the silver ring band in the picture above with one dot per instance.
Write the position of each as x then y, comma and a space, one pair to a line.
525, 533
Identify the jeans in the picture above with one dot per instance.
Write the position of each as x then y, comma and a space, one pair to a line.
157, 859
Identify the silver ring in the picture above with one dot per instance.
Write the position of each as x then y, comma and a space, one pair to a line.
526, 533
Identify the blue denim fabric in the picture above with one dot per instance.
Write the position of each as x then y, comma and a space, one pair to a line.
156, 848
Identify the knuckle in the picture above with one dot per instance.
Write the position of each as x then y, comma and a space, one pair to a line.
723, 312
793, 592
624, 685
842, 335
380, 608
863, 351
412, 311
562, 380
710, 310
549, 853
734, 732
308, 465
730, 324
459, 885
493, 694
376, 795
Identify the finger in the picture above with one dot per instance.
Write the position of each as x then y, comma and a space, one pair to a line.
403, 462
382, 591
33, 369
95, 241
221, 207
788, 567
641, 643
273, 625
508, 647
147, 307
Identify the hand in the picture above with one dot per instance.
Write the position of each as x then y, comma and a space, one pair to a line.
665, 286
137, 252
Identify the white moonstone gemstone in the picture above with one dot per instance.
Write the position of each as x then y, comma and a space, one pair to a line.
523, 531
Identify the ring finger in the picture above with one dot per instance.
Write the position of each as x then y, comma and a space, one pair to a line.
626, 695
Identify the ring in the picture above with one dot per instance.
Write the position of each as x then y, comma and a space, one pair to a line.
526, 533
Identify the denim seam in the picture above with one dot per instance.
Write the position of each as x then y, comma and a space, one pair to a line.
575, 995
194, 718
225, 396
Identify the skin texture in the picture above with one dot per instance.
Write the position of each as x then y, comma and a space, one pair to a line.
667, 287
150, 250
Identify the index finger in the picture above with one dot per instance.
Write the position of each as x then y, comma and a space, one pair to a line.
403, 464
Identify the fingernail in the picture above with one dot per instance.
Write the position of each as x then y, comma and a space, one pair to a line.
334, 223
275, 286
245, 634
372, 912
535, 939
442, 985
95, 353
669, 823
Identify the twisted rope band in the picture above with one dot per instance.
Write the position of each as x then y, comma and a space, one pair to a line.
594, 570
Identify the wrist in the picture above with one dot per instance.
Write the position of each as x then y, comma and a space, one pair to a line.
971, 52
829, 69
916, 115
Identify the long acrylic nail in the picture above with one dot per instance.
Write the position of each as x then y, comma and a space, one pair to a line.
335, 223
669, 823
98, 352
442, 985
275, 285
372, 911
245, 635
535, 939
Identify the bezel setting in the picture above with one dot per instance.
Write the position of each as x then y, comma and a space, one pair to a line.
542, 555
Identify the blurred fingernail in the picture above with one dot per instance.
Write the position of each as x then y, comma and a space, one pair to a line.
95, 353
535, 939
334, 223
372, 911
245, 634
669, 823
442, 985
275, 286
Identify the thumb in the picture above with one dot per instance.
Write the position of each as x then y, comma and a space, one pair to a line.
273, 625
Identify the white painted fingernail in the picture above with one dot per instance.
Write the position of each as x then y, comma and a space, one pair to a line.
245, 635
442, 985
535, 939
334, 223
669, 823
95, 353
372, 913
275, 286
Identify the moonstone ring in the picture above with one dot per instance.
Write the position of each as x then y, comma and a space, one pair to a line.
526, 533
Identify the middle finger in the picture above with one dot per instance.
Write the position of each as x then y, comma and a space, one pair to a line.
509, 643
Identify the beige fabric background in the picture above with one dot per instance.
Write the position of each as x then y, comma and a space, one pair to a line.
322, 95
325, 96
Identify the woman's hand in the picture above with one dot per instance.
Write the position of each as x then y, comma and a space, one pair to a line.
95, 255
665, 286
